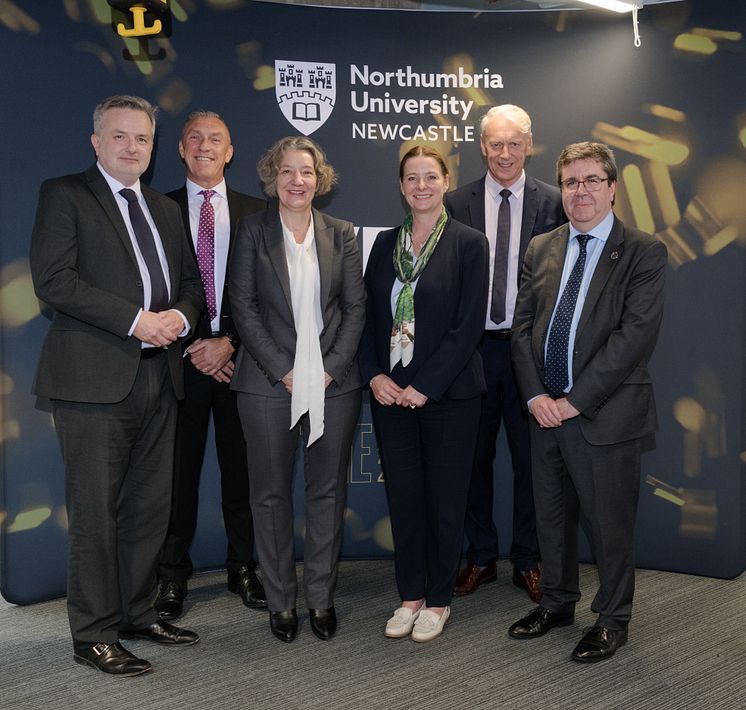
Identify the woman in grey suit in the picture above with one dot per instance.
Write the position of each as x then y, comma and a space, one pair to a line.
426, 389
298, 304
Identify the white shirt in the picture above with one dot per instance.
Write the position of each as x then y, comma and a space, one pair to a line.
594, 247
219, 201
309, 244
123, 205
492, 200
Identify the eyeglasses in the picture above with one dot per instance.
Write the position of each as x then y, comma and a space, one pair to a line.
592, 183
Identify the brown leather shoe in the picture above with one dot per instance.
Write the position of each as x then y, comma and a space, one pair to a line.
529, 581
473, 576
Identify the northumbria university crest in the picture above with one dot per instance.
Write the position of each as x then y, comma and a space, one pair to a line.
305, 92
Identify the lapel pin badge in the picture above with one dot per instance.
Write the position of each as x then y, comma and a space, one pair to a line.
614, 255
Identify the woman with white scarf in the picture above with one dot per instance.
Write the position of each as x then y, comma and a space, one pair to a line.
426, 384
298, 304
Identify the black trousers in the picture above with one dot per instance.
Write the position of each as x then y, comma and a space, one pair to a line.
572, 477
118, 463
501, 403
427, 456
205, 396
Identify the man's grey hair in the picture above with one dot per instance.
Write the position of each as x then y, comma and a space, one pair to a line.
513, 113
136, 103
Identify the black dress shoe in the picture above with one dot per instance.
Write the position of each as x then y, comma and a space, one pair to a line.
244, 582
284, 624
162, 632
599, 644
538, 622
323, 622
169, 604
110, 658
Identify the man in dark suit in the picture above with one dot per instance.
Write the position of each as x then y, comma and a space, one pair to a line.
110, 256
510, 207
586, 322
211, 211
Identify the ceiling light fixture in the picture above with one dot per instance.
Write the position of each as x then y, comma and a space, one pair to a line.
620, 6
614, 5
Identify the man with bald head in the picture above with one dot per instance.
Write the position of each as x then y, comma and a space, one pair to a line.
510, 207
210, 210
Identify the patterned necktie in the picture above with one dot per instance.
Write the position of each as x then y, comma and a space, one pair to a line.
556, 376
500, 272
146, 242
206, 251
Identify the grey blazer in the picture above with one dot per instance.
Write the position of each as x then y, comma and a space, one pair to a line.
616, 334
259, 292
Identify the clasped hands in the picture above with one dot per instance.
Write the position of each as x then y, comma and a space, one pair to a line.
288, 381
212, 356
158, 329
387, 392
550, 413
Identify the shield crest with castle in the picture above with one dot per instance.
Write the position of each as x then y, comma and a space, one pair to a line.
306, 92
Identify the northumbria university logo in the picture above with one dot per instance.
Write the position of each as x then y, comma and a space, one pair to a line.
305, 92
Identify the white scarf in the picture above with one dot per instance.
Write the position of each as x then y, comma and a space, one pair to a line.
308, 367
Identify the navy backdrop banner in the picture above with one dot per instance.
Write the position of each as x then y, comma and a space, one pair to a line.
365, 84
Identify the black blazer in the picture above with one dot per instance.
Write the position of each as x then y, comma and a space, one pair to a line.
83, 265
239, 205
616, 334
542, 209
450, 302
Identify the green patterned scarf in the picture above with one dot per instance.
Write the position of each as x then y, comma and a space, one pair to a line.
402, 333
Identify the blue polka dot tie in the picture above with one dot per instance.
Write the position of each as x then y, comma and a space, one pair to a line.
206, 251
556, 376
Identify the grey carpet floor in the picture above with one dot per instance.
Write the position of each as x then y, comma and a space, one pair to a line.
687, 649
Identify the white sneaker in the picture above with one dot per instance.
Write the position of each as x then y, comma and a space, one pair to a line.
430, 625
401, 623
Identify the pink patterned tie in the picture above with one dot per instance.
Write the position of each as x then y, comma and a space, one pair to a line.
206, 251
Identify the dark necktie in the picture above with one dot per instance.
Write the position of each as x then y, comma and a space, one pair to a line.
206, 251
500, 272
146, 242
556, 376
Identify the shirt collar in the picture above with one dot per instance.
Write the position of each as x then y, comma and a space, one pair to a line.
193, 189
601, 231
115, 186
290, 238
494, 187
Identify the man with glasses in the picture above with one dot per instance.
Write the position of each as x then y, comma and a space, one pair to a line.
510, 207
586, 323
585, 326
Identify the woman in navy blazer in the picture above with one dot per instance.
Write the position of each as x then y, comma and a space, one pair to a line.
426, 387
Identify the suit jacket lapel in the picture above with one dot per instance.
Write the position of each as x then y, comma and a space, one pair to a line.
610, 257
528, 218
168, 238
102, 192
476, 208
552, 268
324, 237
276, 251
